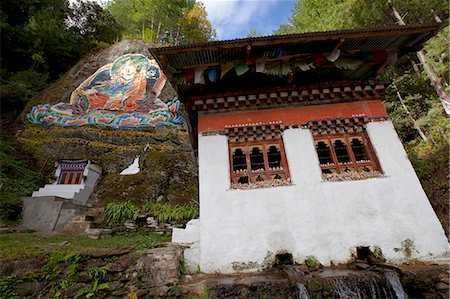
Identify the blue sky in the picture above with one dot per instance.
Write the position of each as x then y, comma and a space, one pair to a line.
236, 18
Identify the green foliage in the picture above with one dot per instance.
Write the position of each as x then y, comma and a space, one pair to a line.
20, 87
52, 268
31, 277
311, 263
254, 33
8, 287
166, 212
437, 52
16, 180
15, 245
164, 21
117, 212
321, 15
41, 39
203, 295
198, 270
97, 275
72, 269
91, 21
182, 268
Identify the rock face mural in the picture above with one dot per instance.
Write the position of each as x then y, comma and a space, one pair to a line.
120, 94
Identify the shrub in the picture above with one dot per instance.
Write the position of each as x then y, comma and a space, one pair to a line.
167, 212
118, 212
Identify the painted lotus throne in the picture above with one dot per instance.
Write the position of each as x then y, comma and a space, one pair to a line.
122, 93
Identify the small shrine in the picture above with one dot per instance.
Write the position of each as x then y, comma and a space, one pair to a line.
75, 179
53, 206
297, 156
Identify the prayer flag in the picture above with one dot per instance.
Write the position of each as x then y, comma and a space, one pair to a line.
333, 55
241, 68
261, 65
213, 72
189, 75
225, 68
199, 76
173, 70
379, 56
318, 59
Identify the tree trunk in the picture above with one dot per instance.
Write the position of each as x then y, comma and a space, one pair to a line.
157, 33
151, 32
436, 82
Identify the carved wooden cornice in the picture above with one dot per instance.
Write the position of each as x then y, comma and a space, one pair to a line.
307, 95
254, 132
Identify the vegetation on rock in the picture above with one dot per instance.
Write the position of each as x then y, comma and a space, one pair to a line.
16, 180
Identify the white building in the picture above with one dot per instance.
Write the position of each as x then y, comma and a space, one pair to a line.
296, 153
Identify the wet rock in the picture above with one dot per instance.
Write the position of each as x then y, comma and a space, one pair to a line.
159, 267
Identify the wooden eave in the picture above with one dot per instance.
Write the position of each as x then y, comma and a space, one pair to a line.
203, 97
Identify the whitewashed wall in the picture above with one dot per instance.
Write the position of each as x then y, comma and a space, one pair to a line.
242, 230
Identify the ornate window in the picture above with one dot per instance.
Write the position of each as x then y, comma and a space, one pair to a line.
258, 163
257, 157
346, 156
71, 172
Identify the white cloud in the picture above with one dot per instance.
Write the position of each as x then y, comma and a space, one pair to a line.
235, 18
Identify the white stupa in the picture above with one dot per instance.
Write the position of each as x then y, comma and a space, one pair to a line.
133, 168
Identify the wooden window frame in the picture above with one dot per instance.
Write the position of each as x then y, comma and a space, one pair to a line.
70, 177
252, 175
358, 166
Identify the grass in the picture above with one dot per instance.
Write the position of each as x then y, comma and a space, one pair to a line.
16, 245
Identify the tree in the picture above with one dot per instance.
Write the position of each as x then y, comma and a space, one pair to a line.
319, 15
92, 22
162, 21
195, 27
40, 39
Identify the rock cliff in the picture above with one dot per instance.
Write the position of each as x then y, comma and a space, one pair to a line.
167, 162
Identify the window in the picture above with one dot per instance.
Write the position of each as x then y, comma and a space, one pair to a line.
346, 156
258, 163
70, 177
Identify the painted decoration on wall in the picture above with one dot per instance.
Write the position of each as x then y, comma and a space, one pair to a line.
120, 94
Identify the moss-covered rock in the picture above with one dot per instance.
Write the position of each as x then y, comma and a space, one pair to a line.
167, 163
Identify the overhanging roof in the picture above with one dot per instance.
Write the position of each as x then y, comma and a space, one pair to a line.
353, 44
401, 39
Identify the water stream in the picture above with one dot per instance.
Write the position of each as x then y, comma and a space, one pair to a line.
355, 285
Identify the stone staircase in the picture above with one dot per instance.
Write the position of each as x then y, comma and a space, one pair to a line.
91, 218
